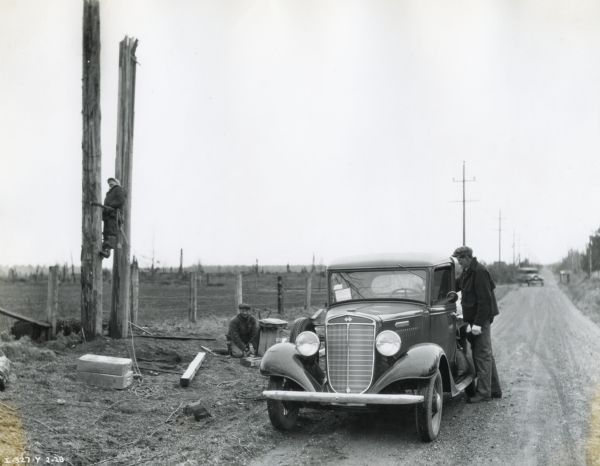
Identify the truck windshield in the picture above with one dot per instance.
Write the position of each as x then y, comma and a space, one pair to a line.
377, 284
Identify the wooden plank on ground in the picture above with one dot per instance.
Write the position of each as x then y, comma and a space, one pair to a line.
189, 374
103, 364
16, 315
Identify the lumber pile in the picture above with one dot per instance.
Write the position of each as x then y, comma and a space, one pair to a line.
105, 371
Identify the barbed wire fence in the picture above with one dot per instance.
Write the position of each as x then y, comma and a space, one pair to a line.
166, 295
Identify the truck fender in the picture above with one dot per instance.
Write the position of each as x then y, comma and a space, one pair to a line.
283, 360
420, 362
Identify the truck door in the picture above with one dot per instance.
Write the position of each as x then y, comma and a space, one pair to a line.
443, 313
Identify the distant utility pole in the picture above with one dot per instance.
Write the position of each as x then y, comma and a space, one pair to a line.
513, 248
463, 181
499, 236
181, 261
91, 262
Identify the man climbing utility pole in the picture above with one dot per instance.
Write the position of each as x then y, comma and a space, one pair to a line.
112, 216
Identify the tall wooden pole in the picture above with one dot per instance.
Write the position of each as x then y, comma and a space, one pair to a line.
119, 312
91, 262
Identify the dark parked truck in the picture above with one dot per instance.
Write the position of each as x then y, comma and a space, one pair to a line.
388, 336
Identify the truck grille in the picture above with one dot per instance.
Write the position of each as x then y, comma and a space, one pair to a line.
350, 357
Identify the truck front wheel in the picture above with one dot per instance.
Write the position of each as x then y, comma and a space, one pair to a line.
283, 414
429, 413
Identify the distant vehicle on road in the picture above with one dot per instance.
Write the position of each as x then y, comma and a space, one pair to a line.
535, 280
527, 274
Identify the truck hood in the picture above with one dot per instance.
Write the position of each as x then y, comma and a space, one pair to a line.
382, 311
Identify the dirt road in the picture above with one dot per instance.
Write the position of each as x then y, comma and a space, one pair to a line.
548, 357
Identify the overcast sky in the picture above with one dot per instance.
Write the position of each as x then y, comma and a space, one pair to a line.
275, 130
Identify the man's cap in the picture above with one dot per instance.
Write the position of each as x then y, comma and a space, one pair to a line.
463, 251
113, 179
244, 306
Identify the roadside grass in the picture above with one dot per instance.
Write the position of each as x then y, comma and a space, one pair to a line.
585, 294
593, 438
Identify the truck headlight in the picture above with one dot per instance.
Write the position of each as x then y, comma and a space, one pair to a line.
388, 343
307, 343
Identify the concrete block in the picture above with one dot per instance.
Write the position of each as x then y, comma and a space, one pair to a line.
105, 380
103, 364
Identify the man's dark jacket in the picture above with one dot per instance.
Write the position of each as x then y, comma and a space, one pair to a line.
115, 198
244, 329
478, 300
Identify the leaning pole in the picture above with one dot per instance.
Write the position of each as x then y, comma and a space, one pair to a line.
91, 263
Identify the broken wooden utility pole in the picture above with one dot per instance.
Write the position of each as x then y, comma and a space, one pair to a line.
119, 311
91, 262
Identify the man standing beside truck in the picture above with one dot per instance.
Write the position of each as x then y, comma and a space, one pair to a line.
479, 308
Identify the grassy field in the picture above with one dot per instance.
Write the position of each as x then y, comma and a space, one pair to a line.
166, 296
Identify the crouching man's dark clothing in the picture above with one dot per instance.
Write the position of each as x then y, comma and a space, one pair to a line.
243, 330
479, 308
115, 198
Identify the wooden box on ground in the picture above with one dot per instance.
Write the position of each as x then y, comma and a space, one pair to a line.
270, 331
105, 371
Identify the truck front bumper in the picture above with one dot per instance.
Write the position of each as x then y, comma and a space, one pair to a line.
350, 399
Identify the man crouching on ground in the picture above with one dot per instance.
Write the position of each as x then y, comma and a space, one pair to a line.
243, 332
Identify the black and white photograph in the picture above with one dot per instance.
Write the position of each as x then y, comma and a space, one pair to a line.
300, 232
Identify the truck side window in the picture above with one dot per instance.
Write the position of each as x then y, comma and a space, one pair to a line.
441, 285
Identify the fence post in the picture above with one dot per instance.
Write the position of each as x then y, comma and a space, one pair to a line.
307, 299
193, 296
279, 294
239, 298
52, 302
135, 290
